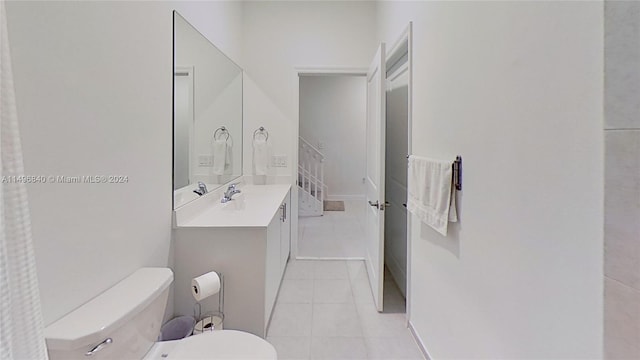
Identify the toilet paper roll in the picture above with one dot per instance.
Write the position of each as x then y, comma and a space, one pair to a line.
205, 285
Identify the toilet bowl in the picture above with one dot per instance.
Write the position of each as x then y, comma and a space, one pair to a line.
224, 344
124, 323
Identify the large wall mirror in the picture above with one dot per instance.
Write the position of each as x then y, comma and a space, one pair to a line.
207, 115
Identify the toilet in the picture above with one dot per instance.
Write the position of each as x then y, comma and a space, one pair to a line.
124, 323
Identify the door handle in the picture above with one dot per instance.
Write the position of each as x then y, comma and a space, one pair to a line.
99, 347
283, 214
387, 204
374, 204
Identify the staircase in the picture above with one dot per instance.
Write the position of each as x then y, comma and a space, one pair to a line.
311, 187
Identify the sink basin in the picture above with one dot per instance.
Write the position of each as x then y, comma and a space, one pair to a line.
255, 206
236, 204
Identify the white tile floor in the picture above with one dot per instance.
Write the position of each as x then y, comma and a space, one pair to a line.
325, 311
336, 234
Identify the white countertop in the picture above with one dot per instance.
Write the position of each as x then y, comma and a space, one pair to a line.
255, 206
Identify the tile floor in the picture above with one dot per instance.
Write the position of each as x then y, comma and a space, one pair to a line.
325, 311
336, 234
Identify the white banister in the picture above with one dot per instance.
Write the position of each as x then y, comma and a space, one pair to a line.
310, 179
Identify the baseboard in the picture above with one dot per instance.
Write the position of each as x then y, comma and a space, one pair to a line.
344, 197
329, 258
419, 342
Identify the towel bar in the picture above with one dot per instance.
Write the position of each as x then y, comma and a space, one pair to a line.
457, 172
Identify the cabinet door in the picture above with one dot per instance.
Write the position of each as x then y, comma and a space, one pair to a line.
285, 233
272, 268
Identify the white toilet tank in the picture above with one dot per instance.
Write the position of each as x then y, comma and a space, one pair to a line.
130, 314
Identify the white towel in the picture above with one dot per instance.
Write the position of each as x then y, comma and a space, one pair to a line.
260, 156
220, 156
431, 196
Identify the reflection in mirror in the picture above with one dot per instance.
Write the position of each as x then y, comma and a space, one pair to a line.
207, 115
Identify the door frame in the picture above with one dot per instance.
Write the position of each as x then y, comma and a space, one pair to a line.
297, 72
190, 78
407, 36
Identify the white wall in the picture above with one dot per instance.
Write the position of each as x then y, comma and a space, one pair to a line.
333, 114
516, 89
279, 36
95, 98
259, 111
219, 21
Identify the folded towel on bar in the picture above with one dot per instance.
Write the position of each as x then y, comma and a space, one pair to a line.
260, 156
431, 193
220, 156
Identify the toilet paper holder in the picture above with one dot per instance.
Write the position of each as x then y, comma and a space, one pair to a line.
213, 320
209, 322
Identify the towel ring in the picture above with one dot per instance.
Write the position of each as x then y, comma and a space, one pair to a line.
222, 130
261, 131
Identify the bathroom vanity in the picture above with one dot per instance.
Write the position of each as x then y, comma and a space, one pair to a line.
247, 240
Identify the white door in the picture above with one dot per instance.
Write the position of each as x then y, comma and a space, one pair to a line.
374, 240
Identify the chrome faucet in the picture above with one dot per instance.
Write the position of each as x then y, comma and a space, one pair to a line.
202, 188
231, 190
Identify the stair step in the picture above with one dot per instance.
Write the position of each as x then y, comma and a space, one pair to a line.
308, 204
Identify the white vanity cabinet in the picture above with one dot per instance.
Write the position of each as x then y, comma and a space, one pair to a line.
250, 248
278, 244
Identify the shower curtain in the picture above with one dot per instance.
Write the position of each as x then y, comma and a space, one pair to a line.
21, 324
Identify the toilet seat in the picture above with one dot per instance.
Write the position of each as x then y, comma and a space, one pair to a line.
223, 344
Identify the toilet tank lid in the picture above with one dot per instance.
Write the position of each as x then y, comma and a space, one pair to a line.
92, 321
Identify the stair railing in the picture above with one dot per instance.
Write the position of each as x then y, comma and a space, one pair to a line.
311, 178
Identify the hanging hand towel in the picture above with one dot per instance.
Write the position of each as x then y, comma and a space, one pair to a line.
431, 194
260, 156
219, 156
